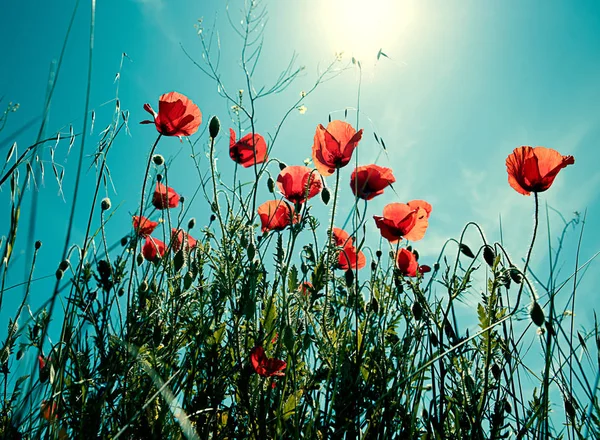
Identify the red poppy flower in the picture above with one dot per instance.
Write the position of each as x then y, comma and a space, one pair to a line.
298, 183
350, 257
49, 411
404, 220
177, 115
305, 288
143, 226
275, 215
178, 236
153, 248
370, 181
534, 169
340, 237
265, 366
406, 262
333, 146
247, 149
164, 197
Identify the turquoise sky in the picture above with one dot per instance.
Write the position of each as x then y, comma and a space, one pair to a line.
465, 83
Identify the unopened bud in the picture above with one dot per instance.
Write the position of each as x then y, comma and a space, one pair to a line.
121, 292
251, 251
64, 265
59, 274
213, 218
349, 275
105, 204
159, 177
489, 255
282, 166
466, 250
271, 185
182, 199
191, 223
214, 126
158, 159
378, 254
143, 287
124, 241
417, 310
38, 244
496, 371
139, 259
515, 275
325, 195
536, 314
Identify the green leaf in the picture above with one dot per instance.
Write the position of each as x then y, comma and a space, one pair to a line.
289, 408
179, 260
270, 317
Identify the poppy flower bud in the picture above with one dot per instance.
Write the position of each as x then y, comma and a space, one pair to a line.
325, 195
158, 159
139, 259
64, 265
121, 292
489, 255
536, 314
191, 223
105, 204
59, 274
436, 266
378, 254
251, 251
466, 250
214, 126
182, 199
271, 185
496, 371
507, 406
282, 166
417, 310
38, 244
20, 354
433, 339
349, 275
143, 287
213, 218
515, 275
373, 265
159, 177
124, 241
569, 408
374, 305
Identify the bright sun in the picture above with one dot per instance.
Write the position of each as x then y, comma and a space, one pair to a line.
361, 28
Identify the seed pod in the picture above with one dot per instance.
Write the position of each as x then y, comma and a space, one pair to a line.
373, 265
325, 195
489, 255
537, 314
214, 126
466, 250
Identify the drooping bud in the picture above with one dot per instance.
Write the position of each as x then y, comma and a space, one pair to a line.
515, 275
325, 195
214, 126
489, 255
537, 314
496, 371
105, 204
59, 274
38, 244
466, 250
158, 159
271, 185
417, 310
282, 166
191, 223
64, 265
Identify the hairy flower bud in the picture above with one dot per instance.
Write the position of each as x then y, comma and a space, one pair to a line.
105, 204
214, 126
536, 314
191, 223
38, 244
325, 195
282, 166
489, 255
271, 185
158, 159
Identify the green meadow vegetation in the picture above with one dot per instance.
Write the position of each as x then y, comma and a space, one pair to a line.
264, 318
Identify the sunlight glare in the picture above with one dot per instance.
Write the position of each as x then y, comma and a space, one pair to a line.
360, 28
